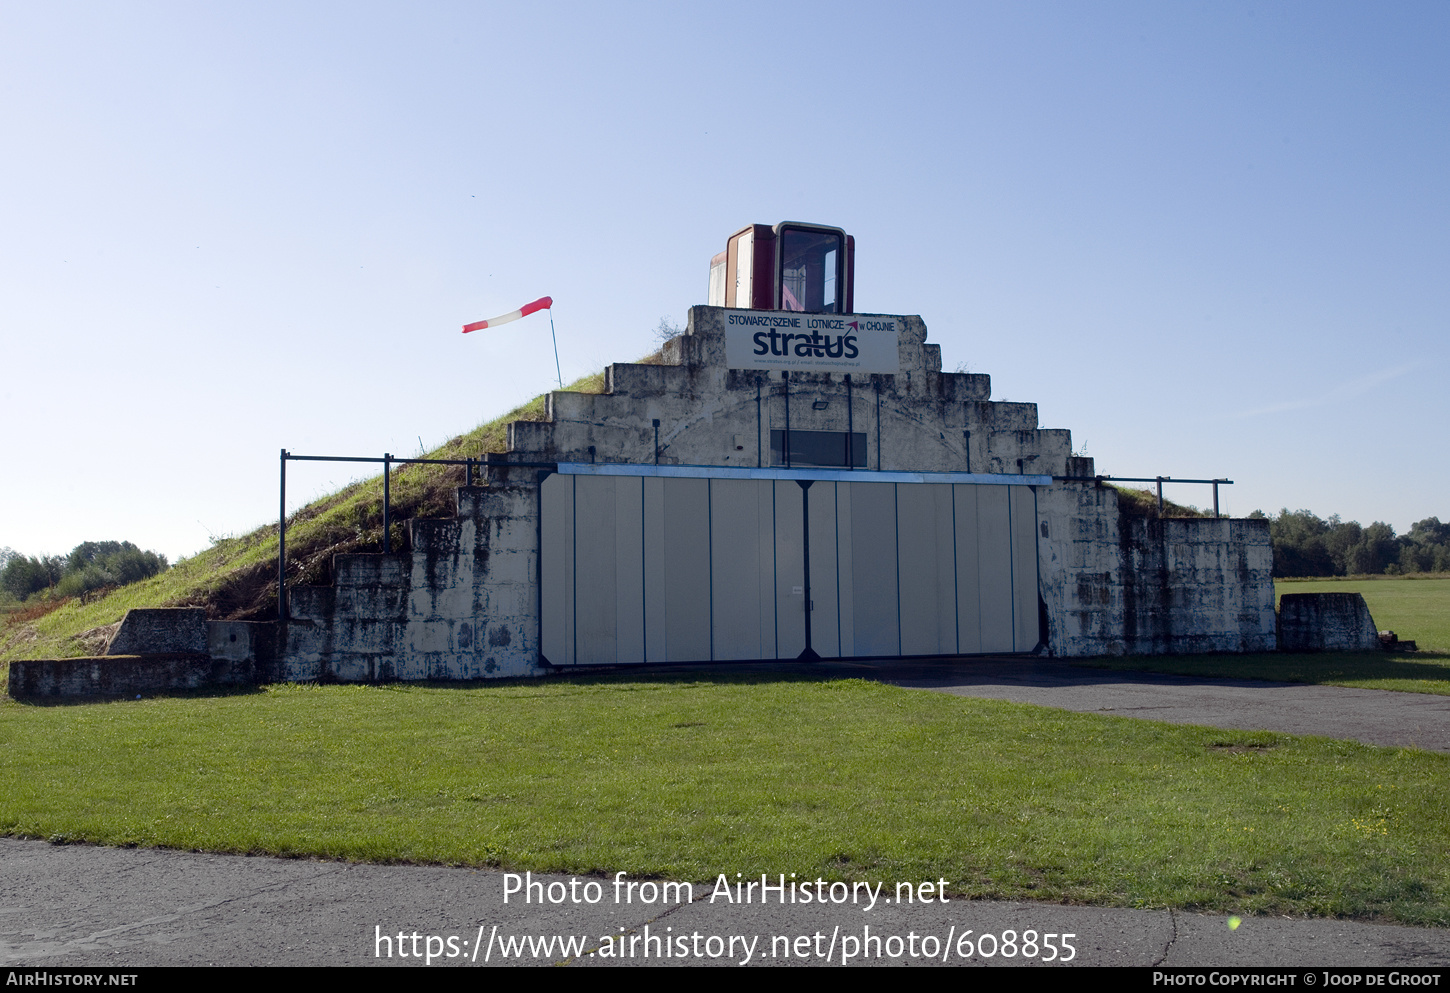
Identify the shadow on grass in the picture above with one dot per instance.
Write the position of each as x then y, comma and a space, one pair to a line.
1423, 672
642, 678
205, 692
631, 679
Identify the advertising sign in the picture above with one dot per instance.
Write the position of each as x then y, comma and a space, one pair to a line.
782, 339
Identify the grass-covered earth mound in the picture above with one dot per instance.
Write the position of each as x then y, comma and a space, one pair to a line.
236, 579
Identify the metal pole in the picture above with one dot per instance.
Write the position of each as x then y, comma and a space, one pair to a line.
785, 446
387, 519
282, 542
759, 442
876, 382
468, 475
805, 485
1215, 498
557, 370
1160, 496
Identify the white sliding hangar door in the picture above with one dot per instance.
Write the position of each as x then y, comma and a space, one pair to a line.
693, 564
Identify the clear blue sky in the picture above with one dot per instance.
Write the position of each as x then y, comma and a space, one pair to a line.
1211, 239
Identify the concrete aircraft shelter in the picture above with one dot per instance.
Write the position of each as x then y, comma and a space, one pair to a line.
782, 485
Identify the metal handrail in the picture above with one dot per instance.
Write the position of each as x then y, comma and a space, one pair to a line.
491, 459
388, 461
1160, 480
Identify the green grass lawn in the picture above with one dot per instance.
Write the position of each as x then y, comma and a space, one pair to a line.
687, 777
1415, 608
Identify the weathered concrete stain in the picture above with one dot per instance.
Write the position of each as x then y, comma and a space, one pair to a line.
1326, 622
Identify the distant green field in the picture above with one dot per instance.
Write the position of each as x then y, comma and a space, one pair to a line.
1414, 608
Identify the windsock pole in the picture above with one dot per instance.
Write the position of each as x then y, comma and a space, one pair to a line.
543, 303
557, 371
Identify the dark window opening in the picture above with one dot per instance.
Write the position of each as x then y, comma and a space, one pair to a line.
818, 448
809, 265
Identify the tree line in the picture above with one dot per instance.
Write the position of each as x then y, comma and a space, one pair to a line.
91, 565
1307, 545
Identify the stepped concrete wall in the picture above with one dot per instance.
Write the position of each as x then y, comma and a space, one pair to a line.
1197, 585
1122, 585
919, 419
169, 648
462, 604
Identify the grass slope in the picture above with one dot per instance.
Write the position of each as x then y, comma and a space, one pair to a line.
685, 777
1134, 502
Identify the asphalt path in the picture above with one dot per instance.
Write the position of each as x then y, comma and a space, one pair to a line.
78, 905
1375, 717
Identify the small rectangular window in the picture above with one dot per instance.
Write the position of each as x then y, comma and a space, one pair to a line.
744, 269
818, 448
828, 268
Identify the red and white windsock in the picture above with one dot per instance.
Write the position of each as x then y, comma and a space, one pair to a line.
543, 303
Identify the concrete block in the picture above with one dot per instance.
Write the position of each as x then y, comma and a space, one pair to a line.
1246, 531
535, 437
430, 636
366, 569
311, 603
635, 380
479, 503
513, 533
377, 602
161, 630
124, 675
369, 636
351, 667
1326, 622
961, 387
439, 576
242, 641
1197, 530
435, 538
407, 666
433, 603
507, 566
561, 406
466, 499
1015, 416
